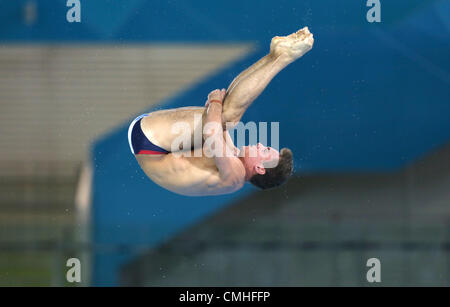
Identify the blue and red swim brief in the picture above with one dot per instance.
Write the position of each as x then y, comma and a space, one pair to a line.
139, 143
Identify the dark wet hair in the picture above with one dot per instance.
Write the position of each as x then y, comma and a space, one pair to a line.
277, 175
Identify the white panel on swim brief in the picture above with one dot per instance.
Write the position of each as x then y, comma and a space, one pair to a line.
130, 129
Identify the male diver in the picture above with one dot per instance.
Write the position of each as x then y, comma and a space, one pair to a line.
226, 168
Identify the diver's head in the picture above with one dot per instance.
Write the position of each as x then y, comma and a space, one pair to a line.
266, 167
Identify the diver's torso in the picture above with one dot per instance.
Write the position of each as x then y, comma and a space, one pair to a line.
191, 176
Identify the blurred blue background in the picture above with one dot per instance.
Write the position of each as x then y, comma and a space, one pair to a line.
366, 114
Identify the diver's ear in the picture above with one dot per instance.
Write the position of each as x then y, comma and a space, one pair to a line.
259, 168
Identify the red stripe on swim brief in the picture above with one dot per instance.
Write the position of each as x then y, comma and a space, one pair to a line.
150, 152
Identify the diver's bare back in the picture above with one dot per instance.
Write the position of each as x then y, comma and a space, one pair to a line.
190, 176
193, 175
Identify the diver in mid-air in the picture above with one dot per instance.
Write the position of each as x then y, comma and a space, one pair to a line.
222, 168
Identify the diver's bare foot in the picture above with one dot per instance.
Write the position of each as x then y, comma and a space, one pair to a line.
293, 46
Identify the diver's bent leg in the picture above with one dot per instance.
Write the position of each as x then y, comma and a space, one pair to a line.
159, 126
247, 72
244, 90
240, 97
165, 128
